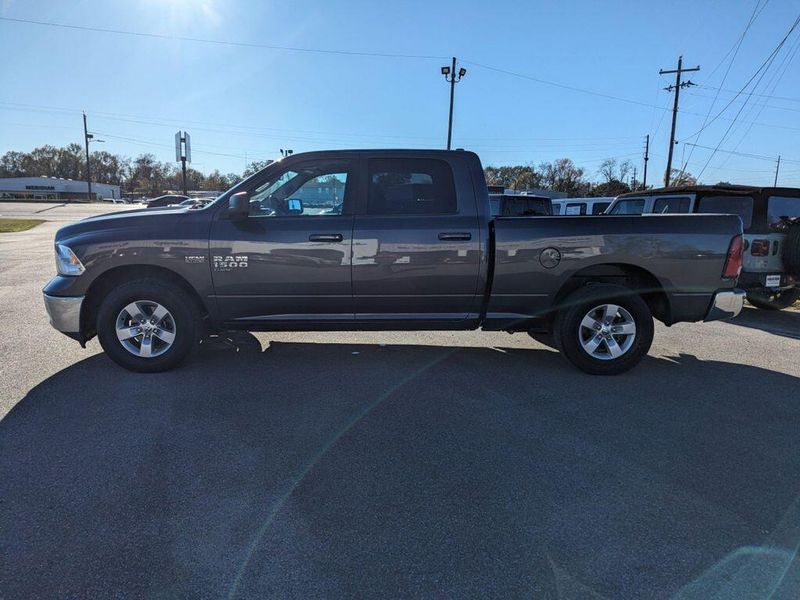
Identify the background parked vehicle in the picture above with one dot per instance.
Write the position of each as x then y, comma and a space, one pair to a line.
162, 201
581, 206
504, 204
771, 221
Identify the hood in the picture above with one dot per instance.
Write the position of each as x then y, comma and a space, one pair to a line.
139, 217
136, 212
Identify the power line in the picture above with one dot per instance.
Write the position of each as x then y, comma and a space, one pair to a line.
312, 50
787, 108
765, 67
160, 145
560, 85
745, 154
775, 81
767, 61
349, 53
727, 91
181, 38
736, 47
273, 132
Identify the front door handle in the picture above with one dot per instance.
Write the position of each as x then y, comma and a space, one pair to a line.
325, 237
460, 236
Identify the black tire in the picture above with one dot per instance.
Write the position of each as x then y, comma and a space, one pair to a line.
568, 330
769, 300
182, 317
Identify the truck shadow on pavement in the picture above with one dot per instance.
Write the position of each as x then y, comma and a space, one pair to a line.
328, 470
785, 323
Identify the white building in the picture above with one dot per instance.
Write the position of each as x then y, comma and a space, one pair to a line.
54, 188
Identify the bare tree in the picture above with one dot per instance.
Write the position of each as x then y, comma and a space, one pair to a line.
563, 176
611, 170
608, 169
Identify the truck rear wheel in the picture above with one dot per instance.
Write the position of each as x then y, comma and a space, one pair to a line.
604, 329
773, 300
147, 325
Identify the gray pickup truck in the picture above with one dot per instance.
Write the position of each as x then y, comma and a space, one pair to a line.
391, 240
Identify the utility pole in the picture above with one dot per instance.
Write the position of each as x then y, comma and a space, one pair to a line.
633, 181
86, 137
677, 89
183, 153
777, 168
646, 158
452, 78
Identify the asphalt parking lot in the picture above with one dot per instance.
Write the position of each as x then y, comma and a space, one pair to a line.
394, 464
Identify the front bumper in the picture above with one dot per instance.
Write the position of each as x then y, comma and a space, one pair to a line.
726, 305
64, 312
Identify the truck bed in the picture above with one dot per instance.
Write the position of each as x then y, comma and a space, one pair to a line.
683, 255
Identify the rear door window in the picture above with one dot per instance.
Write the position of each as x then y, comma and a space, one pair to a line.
729, 205
672, 205
630, 206
781, 208
598, 208
410, 186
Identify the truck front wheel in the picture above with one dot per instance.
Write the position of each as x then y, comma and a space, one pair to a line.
604, 329
147, 325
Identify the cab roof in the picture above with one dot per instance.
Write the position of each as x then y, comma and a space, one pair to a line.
718, 189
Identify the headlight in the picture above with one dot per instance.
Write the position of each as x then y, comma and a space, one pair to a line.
66, 261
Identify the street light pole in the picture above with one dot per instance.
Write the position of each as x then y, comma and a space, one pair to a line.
452, 77
86, 137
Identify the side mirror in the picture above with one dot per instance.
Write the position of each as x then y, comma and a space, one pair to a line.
239, 206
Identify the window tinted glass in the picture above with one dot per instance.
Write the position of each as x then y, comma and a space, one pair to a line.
576, 208
781, 207
730, 205
308, 190
403, 186
672, 204
634, 206
599, 207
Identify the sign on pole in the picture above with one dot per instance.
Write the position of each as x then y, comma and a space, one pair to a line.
178, 153
183, 146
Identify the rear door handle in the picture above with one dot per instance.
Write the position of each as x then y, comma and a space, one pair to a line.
460, 236
325, 237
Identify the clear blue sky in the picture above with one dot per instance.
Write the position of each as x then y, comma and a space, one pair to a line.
244, 103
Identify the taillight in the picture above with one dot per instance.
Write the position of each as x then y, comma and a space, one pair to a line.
759, 247
733, 263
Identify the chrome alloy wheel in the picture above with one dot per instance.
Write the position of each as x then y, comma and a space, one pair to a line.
607, 332
145, 329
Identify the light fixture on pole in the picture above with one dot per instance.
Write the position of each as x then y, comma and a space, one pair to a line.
452, 77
